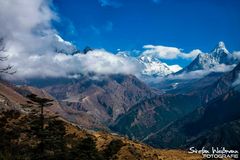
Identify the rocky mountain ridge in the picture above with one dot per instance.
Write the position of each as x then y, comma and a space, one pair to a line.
93, 145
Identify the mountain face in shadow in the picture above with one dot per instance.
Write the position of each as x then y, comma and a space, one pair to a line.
213, 124
216, 124
222, 85
150, 115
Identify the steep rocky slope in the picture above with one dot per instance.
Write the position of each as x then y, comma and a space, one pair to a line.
208, 87
222, 85
103, 99
215, 124
14, 97
150, 115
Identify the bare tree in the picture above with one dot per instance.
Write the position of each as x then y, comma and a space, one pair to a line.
4, 69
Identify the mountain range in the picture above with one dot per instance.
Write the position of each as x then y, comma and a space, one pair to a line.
215, 123
218, 60
175, 112
64, 140
153, 67
105, 99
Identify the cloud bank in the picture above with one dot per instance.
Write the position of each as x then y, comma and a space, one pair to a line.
236, 55
63, 65
165, 52
35, 49
175, 67
202, 73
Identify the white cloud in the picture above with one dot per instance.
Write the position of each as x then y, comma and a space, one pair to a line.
191, 55
237, 81
202, 73
35, 50
104, 62
165, 52
62, 65
223, 68
22, 21
175, 68
236, 54
161, 52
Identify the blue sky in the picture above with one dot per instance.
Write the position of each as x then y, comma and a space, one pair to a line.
130, 24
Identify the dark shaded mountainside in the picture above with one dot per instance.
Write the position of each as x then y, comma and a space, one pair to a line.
221, 85
210, 86
153, 114
60, 139
214, 124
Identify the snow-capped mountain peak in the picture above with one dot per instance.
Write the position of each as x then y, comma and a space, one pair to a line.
148, 59
62, 46
220, 52
221, 44
154, 67
123, 54
205, 61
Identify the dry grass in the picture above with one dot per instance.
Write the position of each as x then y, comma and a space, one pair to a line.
133, 150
